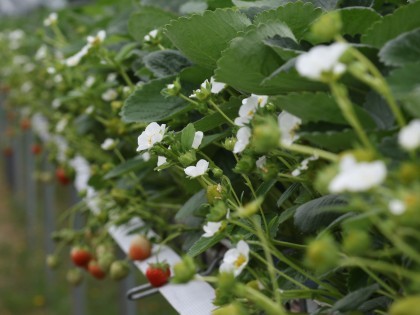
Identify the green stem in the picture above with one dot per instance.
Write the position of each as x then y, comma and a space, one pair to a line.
299, 148
341, 96
271, 307
217, 108
382, 88
269, 258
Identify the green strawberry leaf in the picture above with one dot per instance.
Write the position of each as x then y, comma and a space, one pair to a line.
402, 50
165, 63
147, 104
250, 57
402, 20
202, 38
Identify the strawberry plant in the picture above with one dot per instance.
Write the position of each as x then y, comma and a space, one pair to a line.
282, 137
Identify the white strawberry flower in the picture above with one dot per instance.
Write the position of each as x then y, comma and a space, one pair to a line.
76, 58
396, 207
236, 259
161, 160
151, 35
249, 107
41, 53
61, 125
152, 134
108, 144
198, 137
216, 87
97, 39
58, 78
109, 95
90, 110
288, 125
146, 156
111, 77
303, 165
409, 136
51, 19
322, 60
56, 103
90, 80
211, 228
198, 170
243, 135
260, 163
356, 176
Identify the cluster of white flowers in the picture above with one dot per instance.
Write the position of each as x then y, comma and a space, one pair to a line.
90, 80
235, 259
51, 19
288, 125
409, 136
91, 42
246, 113
322, 60
150, 136
61, 125
15, 38
198, 170
108, 144
109, 95
304, 165
356, 176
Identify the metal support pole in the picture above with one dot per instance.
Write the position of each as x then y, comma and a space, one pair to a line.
79, 293
49, 217
30, 191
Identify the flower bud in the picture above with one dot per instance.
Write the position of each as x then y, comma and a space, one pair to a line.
119, 196
245, 165
187, 158
217, 212
265, 134
116, 105
356, 242
217, 172
322, 254
226, 288
250, 208
172, 89
229, 143
214, 193
185, 270
327, 26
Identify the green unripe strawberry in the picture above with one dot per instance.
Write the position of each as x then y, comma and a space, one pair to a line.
214, 193
327, 26
322, 254
356, 242
184, 270
245, 165
74, 276
217, 212
119, 270
52, 261
187, 158
231, 309
265, 134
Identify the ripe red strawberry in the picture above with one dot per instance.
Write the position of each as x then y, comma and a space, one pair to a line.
80, 256
8, 151
158, 274
36, 149
74, 276
96, 270
61, 175
140, 248
25, 123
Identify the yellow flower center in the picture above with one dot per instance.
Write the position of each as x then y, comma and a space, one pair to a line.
239, 261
